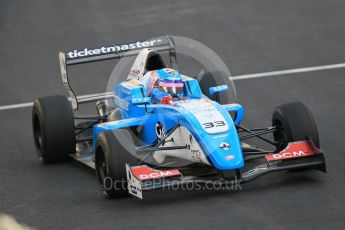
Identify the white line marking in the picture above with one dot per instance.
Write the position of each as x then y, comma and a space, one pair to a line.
29, 104
288, 71
16, 106
234, 78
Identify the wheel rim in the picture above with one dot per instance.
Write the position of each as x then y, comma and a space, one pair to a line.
38, 135
101, 167
103, 170
280, 135
103, 173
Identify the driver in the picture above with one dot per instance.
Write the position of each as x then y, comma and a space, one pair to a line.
164, 85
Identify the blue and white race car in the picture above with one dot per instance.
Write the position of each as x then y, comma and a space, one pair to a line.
160, 128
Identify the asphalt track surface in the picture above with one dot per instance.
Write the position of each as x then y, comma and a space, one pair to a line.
250, 36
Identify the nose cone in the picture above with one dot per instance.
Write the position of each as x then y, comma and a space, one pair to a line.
215, 132
226, 154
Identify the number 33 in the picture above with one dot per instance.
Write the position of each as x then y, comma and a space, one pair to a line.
209, 125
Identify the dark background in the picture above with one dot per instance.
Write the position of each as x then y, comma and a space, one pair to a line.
250, 36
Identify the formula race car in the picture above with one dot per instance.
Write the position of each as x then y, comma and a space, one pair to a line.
160, 128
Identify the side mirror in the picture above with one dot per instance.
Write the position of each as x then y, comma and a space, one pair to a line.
217, 89
141, 101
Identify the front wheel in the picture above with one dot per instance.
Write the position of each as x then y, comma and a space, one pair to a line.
295, 122
211, 79
113, 151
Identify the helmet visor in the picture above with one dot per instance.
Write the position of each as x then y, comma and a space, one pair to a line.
171, 87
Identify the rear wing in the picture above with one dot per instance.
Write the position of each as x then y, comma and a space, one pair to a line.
115, 51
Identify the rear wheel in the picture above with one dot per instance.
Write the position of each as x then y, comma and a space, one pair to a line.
53, 128
113, 151
295, 122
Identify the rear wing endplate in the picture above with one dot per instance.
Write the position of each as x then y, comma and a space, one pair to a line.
115, 51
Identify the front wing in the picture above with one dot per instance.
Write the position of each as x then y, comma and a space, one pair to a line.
297, 155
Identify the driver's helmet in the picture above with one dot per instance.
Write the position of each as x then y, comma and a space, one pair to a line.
167, 81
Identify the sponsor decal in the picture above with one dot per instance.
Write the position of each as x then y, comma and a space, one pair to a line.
112, 49
146, 173
217, 89
224, 145
196, 154
135, 72
134, 185
126, 91
160, 132
121, 103
282, 156
211, 120
205, 101
131, 83
293, 150
141, 100
229, 157
134, 189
